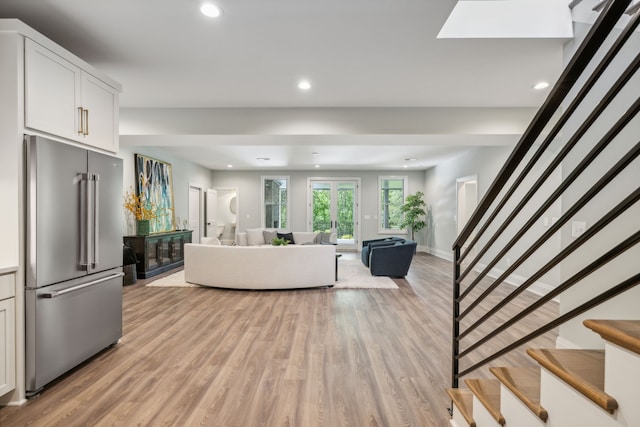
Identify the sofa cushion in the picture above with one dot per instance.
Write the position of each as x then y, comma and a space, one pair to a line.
269, 235
210, 241
287, 236
255, 236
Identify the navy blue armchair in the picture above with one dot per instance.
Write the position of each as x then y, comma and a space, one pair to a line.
368, 244
392, 260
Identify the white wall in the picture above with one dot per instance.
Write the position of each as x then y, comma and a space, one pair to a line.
440, 192
574, 333
249, 182
184, 174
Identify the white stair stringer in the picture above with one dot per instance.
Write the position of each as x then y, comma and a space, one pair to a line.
515, 412
622, 380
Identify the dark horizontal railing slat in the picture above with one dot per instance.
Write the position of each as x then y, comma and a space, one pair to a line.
595, 189
603, 260
620, 208
579, 169
594, 39
557, 160
566, 115
593, 302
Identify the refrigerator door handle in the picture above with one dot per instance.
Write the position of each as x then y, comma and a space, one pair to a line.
96, 219
55, 294
85, 206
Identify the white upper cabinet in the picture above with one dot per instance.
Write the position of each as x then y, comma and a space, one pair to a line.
63, 100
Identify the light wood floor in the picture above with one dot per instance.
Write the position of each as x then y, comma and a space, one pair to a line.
315, 357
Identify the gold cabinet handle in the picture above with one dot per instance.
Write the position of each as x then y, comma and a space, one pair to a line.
80, 121
86, 122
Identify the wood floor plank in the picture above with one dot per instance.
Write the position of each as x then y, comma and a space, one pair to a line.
312, 357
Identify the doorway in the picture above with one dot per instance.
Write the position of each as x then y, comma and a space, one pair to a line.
195, 217
222, 217
334, 207
466, 201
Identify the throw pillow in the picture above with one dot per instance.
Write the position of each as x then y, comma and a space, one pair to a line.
288, 236
269, 236
255, 237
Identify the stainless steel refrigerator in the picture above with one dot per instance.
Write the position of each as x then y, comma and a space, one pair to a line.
74, 257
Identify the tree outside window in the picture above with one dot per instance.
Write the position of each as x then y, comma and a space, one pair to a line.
392, 194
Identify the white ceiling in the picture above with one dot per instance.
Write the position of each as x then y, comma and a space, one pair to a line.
358, 54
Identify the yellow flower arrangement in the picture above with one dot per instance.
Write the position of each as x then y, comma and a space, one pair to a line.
140, 209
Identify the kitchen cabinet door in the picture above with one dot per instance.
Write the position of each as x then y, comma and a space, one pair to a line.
7, 346
52, 92
100, 101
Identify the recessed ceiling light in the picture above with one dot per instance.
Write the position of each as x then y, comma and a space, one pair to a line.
405, 166
315, 153
316, 166
541, 85
304, 85
210, 10
229, 166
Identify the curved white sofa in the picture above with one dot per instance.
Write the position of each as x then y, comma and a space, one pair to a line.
260, 267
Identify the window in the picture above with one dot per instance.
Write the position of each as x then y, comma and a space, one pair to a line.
275, 202
391, 198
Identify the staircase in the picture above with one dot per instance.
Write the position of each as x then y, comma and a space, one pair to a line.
582, 152
599, 388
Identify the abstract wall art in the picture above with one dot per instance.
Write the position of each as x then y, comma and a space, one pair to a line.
155, 183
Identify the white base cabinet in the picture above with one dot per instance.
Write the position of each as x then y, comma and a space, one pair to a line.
7, 334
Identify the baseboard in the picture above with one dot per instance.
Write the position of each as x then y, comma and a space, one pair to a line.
447, 255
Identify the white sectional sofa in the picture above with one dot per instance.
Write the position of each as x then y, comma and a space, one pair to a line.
260, 267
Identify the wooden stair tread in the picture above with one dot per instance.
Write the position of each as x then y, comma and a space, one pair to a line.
582, 369
525, 384
488, 393
625, 333
463, 400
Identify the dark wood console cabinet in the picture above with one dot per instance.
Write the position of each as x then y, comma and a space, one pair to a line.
157, 253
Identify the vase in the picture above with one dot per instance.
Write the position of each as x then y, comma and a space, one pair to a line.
142, 227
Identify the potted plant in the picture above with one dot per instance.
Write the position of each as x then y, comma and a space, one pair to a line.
280, 241
414, 213
142, 210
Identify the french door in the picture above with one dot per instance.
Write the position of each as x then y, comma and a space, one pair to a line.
333, 207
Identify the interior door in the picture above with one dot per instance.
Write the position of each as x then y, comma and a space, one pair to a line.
194, 213
211, 209
334, 209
